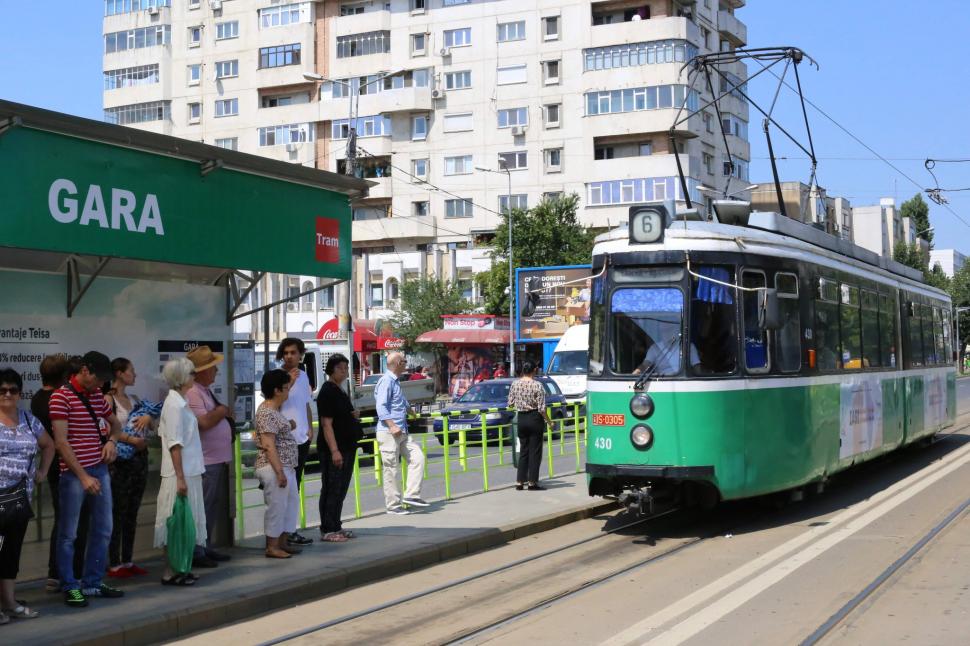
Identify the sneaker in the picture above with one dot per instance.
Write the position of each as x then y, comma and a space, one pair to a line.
75, 599
120, 572
398, 511
53, 585
103, 590
416, 502
297, 539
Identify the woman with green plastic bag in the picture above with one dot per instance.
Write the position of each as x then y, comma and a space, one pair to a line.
180, 515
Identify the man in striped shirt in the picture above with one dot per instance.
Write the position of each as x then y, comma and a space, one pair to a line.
85, 434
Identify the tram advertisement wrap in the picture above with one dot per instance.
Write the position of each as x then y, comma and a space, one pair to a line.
560, 305
861, 416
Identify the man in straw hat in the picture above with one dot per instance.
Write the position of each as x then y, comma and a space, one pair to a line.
215, 433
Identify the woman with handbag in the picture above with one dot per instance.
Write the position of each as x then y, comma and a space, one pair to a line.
20, 435
528, 397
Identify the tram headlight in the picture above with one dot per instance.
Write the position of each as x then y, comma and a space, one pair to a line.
641, 436
641, 405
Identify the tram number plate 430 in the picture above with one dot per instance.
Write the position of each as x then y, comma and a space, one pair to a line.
600, 419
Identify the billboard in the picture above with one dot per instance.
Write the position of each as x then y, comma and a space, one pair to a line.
560, 305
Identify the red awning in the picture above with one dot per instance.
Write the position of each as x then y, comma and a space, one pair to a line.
466, 337
365, 336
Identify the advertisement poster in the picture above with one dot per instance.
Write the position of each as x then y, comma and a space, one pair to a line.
861, 416
934, 400
118, 317
467, 366
560, 306
244, 380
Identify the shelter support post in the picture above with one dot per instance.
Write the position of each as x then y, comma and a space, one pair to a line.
75, 288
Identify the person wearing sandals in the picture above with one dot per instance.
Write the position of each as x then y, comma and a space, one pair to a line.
337, 440
182, 462
276, 466
528, 397
20, 435
129, 472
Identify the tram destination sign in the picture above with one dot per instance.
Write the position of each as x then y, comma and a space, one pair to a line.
649, 221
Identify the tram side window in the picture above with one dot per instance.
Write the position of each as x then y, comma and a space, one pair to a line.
755, 339
788, 338
827, 325
938, 331
851, 328
870, 329
947, 341
646, 331
597, 327
887, 329
713, 321
915, 335
929, 335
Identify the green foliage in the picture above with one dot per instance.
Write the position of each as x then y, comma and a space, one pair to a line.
960, 293
909, 255
423, 302
546, 235
936, 278
918, 211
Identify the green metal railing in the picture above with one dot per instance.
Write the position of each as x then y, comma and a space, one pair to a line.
566, 436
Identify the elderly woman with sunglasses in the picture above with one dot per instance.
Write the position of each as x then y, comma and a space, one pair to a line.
20, 436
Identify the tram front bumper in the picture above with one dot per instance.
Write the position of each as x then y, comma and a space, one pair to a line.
621, 471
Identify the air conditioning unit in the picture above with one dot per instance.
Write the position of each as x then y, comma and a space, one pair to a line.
437, 93
292, 307
444, 51
215, 5
292, 147
518, 130
153, 11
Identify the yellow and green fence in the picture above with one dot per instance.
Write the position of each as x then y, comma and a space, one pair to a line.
566, 436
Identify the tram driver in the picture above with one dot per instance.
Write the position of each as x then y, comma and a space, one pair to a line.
665, 353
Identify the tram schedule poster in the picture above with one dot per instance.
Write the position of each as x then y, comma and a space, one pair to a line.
861, 416
560, 305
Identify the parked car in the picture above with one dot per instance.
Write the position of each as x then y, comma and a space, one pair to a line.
492, 393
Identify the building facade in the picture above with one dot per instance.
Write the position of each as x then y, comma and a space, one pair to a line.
559, 97
949, 260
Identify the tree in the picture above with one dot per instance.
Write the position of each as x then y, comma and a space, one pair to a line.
936, 278
546, 235
909, 255
918, 211
960, 293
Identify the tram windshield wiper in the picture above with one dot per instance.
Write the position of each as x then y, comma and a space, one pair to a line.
645, 377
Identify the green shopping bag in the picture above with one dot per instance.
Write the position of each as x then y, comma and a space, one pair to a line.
180, 541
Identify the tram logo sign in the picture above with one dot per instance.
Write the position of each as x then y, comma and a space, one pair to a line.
328, 240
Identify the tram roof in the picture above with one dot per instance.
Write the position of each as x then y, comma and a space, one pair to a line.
770, 234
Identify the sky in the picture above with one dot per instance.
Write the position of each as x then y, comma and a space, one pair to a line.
891, 72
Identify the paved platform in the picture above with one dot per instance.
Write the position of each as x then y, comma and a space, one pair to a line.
251, 584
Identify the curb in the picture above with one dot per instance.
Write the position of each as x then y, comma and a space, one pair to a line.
247, 605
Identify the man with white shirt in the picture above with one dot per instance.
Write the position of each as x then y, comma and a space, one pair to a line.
394, 440
297, 408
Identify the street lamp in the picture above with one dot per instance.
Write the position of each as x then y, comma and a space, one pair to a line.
919, 233
504, 168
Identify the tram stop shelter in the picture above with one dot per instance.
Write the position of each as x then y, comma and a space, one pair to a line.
143, 245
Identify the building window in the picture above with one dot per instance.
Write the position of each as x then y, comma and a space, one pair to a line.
420, 208
115, 7
452, 3
195, 73
520, 201
325, 298
460, 165
278, 100
458, 80
418, 6
281, 15
641, 98
708, 163
603, 152
288, 134
626, 191
511, 74
458, 208
120, 41
510, 31
708, 122
551, 195
553, 160
131, 76
513, 117
419, 44
195, 112
458, 37
371, 126
226, 69
732, 125
419, 127
419, 169
229, 143
227, 30
645, 148
227, 107
550, 28
458, 122
279, 56
376, 295
517, 160
372, 42
195, 36
139, 113
552, 112
195, 4
637, 54
550, 72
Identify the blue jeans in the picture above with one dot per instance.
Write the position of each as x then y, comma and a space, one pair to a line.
72, 496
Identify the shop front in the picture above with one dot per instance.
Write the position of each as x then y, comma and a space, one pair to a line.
477, 348
373, 339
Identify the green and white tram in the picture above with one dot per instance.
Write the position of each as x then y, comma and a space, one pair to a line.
729, 361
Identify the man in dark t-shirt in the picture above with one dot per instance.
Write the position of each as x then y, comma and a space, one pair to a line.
340, 431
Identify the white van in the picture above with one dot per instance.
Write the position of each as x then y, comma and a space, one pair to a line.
568, 365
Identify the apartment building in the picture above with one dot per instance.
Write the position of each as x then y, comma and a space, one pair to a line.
559, 97
880, 226
950, 260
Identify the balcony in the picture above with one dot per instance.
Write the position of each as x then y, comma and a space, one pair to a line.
644, 30
405, 99
359, 23
602, 170
630, 123
732, 29
294, 113
392, 229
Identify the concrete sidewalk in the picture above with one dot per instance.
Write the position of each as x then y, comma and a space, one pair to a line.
251, 584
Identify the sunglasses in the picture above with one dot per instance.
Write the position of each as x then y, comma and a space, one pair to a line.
13, 392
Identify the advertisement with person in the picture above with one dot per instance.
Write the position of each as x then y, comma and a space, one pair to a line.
468, 365
562, 300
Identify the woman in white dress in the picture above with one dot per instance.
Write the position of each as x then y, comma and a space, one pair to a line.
182, 462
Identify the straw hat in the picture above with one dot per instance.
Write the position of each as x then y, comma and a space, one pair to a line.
203, 358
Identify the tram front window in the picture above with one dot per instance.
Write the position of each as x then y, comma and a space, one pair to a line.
646, 331
713, 321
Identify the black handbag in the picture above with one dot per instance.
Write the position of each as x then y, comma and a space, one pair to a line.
15, 504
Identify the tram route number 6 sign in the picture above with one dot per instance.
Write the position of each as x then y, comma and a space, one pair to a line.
648, 222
